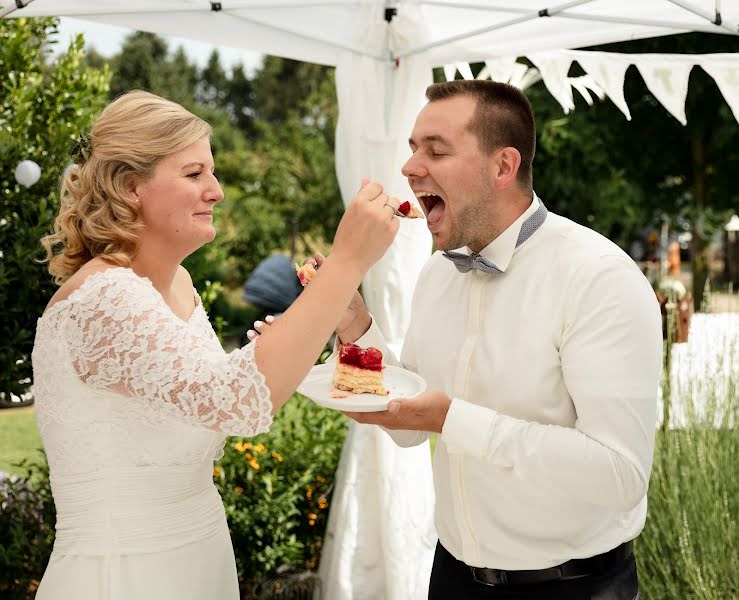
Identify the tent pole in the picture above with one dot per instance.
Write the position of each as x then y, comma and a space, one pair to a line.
389, 66
529, 16
361, 51
713, 18
4, 12
646, 22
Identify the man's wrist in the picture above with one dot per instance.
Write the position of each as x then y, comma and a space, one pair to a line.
359, 326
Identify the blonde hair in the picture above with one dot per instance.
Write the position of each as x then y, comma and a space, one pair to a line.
96, 215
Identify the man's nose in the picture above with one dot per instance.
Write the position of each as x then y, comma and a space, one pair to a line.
413, 167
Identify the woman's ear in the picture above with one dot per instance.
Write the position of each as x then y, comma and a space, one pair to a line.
507, 161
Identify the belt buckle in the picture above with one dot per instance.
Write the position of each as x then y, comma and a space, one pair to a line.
490, 577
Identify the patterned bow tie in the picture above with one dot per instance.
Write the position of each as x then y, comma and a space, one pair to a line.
466, 262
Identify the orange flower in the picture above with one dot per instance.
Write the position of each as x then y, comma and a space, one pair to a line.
309, 493
259, 448
217, 471
242, 446
254, 464
277, 457
322, 503
238, 489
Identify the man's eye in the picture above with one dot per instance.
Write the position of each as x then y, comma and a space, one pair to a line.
434, 153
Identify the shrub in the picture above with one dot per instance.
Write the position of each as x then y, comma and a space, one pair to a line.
689, 548
27, 519
277, 490
43, 109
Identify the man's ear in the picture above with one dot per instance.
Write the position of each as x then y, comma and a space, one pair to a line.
507, 162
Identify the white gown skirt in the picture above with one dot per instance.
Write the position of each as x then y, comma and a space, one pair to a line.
200, 570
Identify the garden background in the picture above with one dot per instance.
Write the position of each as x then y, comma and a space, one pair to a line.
273, 144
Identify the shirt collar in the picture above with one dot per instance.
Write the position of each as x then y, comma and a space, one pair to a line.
500, 251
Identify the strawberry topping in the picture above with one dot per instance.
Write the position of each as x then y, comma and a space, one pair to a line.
368, 358
405, 208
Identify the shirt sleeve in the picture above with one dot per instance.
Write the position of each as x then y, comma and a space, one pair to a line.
123, 338
611, 353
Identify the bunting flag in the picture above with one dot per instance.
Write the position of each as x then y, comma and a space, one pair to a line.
554, 67
608, 71
668, 82
725, 72
665, 75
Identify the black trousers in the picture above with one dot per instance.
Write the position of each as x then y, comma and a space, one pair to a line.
451, 579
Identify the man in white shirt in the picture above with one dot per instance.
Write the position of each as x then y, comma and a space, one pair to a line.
540, 341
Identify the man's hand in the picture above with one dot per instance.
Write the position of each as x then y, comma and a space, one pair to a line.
425, 412
356, 319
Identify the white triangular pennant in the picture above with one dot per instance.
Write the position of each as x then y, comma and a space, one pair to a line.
553, 67
726, 77
465, 70
501, 68
608, 73
450, 72
668, 82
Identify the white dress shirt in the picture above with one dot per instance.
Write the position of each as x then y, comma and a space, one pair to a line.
553, 369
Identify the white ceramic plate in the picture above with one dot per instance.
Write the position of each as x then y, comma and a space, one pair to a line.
399, 382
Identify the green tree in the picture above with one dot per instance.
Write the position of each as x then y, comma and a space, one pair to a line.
138, 65
619, 176
213, 84
43, 108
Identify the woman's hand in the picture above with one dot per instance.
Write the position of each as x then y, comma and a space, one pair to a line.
259, 326
367, 228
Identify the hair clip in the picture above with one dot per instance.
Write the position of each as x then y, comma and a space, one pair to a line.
81, 149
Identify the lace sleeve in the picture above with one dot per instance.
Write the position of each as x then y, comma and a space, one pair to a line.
123, 337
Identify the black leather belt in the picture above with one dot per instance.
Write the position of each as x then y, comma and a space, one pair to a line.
572, 569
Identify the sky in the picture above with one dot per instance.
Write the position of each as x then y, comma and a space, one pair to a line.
107, 40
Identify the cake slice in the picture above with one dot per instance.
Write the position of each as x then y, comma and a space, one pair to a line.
410, 211
358, 371
305, 273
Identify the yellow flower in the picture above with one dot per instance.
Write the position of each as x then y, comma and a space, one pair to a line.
277, 457
254, 464
248, 456
312, 519
238, 489
309, 493
322, 503
242, 446
320, 479
259, 448
216, 471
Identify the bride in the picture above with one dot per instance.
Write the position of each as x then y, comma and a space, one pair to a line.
134, 394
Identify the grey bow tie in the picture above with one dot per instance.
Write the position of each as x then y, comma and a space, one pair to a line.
466, 262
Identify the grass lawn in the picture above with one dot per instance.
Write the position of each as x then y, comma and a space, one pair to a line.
19, 437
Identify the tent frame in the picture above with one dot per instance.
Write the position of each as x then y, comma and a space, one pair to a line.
717, 24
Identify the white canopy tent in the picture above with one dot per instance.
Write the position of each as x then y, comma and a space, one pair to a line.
380, 538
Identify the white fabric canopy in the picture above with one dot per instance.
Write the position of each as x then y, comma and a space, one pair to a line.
378, 538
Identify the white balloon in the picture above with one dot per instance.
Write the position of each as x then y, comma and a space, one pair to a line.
27, 173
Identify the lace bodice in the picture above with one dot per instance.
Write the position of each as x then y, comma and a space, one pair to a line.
120, 380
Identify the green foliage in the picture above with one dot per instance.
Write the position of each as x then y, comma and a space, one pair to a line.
27, 519
277, 488
43, 109
689, 547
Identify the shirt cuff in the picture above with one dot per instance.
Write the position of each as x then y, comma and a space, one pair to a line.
468, 428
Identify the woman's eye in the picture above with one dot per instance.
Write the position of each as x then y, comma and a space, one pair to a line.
194, 175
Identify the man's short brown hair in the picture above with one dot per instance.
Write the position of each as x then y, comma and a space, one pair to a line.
503, 117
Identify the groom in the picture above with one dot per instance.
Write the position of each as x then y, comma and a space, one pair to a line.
541, 345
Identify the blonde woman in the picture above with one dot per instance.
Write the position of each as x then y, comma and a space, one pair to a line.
134, 394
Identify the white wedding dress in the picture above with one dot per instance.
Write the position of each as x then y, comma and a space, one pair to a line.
134, 404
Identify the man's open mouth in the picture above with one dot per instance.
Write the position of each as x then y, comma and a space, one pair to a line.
433, 205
